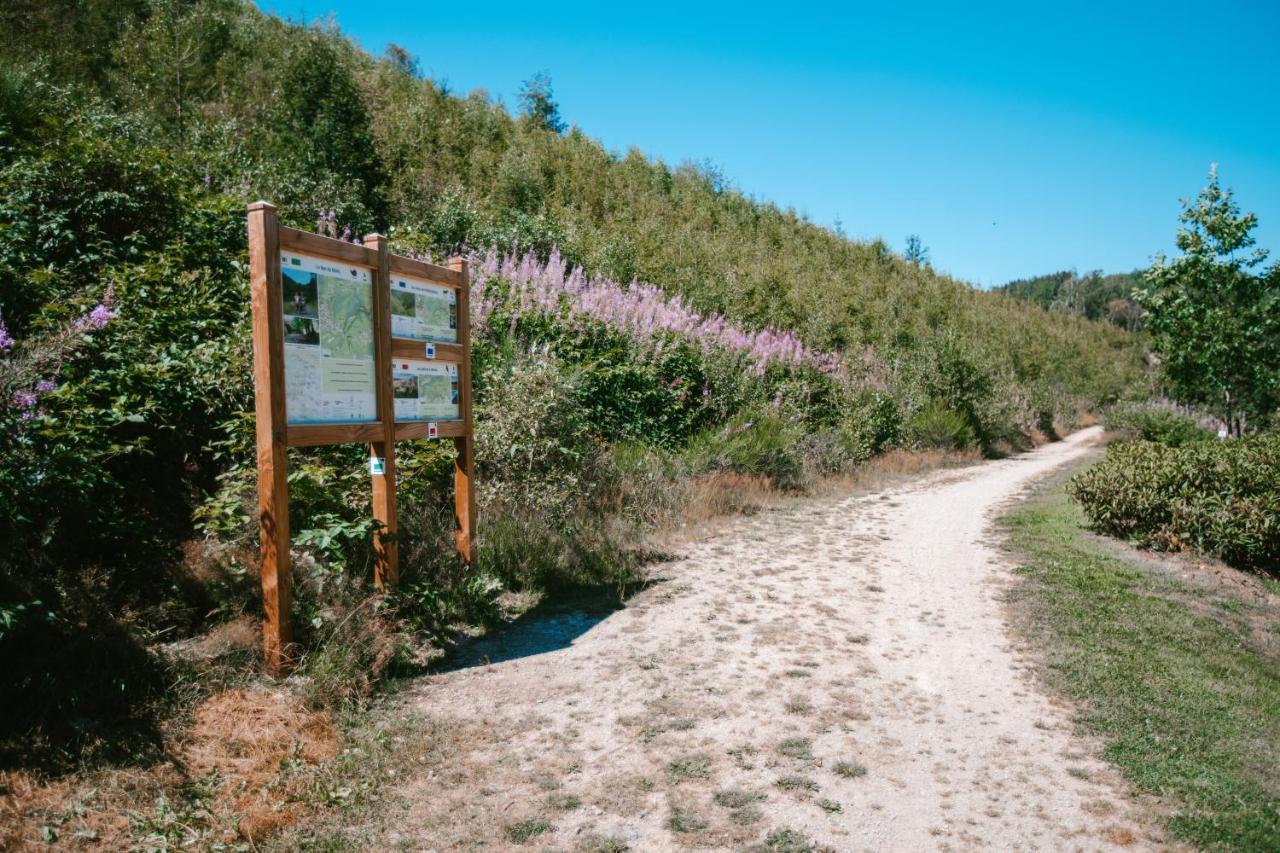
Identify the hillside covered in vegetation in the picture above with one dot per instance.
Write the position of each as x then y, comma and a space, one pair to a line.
723, 335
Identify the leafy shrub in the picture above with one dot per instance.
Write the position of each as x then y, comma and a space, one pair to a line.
956, 376
534, 448
935, 425
871, 423
1221, 498
762, 444
1154, 422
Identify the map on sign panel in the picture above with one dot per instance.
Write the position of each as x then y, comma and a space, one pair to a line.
427, 312
425, 390
328, 341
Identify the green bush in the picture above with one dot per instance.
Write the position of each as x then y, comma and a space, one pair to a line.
872, 423
535, 450
1221, 498
935, 425
1154, 422
763, 444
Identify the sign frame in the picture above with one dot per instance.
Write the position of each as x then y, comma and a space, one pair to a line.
275, 435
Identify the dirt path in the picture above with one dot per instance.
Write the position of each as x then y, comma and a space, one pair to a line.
833, 671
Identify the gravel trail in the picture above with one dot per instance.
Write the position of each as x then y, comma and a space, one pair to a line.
836, 672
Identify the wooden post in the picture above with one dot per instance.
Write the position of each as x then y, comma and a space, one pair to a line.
269, 408
386, 568
464, 468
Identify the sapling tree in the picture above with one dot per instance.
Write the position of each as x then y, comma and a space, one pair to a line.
917, 252
1214, 316
537, 105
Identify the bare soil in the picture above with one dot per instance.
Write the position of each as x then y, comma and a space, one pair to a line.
834, 673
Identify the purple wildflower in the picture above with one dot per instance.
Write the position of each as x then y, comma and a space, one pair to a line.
642, 311
6, 340
25, 400
99, 317
44, 386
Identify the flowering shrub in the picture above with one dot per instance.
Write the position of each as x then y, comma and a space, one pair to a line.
526, 286
26, 374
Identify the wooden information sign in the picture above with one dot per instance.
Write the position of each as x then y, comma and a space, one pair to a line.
352, 344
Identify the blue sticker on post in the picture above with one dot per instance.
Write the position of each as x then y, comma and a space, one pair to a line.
377, 465
431, 350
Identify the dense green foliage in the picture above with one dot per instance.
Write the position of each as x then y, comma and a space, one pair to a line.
131, 137
1219, 497
1093, 295
1151, 421
1214, 315
1176, 680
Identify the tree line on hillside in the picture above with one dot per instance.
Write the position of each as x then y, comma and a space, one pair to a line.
1094, 295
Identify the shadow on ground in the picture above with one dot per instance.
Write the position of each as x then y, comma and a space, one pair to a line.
552, 625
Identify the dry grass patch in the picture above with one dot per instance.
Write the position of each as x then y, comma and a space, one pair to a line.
685, 821
787, 841
564, 802
726, 493
522, 832
240, 774
694, 766
797, 747
246, 739
850, 769
891, 467
596, 843
797, 784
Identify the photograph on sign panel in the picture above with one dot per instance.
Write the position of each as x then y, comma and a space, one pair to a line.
405, 387
300, 293
402, 303
437, 395
301, 330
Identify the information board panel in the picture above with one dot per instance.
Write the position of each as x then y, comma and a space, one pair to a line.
329, 366
425, 390
424, 311
326, 357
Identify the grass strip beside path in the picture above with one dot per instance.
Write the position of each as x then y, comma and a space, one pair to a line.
1187, 709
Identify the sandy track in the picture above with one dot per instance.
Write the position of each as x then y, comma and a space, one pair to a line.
776, 662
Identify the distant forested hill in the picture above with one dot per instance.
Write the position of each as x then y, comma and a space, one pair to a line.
1093, 295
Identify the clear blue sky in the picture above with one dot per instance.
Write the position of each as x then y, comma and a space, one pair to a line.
1014, 140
